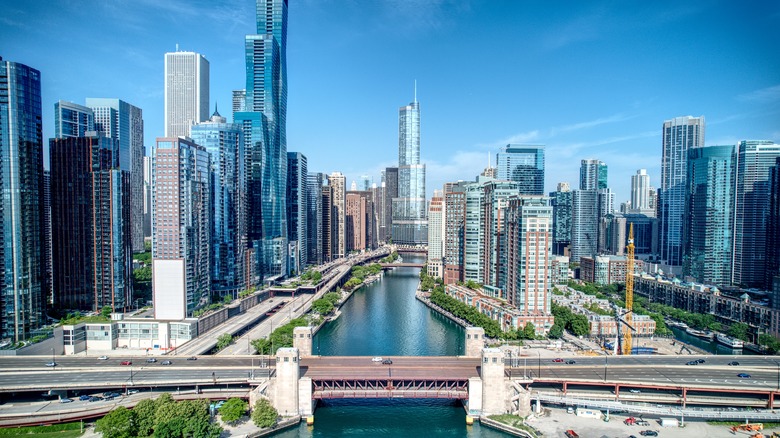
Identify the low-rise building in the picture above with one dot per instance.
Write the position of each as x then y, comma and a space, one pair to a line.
136, 334
606, 269
559, 270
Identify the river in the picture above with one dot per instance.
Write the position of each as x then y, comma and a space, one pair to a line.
386, 319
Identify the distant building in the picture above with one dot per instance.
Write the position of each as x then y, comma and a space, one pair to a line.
410, 224
772, 278
359, 223
454, 231
584, 224
21, 206
436, 235
593, 175
297, 215
523, 164
606, 269
391, 192
560, 200
239, 102
314, 224
327, 219
147, 197
72, 120
338, 184
507, 316
559, 270
181, 218
641, 202
679, 135
186, 92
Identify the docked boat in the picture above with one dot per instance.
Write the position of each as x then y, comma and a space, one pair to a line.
700, 333
729, 341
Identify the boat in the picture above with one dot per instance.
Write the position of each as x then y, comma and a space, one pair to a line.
700, 333
729, 341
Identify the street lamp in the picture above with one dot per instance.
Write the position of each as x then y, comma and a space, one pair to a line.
606, 363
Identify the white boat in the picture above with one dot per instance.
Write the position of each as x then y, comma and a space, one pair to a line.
700, 333
729, 341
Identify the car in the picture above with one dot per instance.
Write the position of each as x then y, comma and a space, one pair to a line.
731, 409
700, 360
571, 361
108, 398
84, 397
132, 391
166, 362
377, 359
51, 364
95, 398
557, 360
151, 360
66, 400
125, 362
733, 363
692, 362
635, 391
103, 358
648, 433
743, 375
387, 362
111, 394
192, 358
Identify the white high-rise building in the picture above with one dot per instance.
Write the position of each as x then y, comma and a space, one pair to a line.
186, 92
640, 190
339, 219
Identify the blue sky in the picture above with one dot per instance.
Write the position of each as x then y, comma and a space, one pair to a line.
587, 79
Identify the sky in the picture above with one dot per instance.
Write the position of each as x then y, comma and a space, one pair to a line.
586, 79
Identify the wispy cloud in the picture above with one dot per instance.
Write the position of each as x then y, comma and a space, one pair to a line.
591, 123
580, 29
767, 94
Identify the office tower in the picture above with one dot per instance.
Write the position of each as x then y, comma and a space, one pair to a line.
391, 192
327, 223
410, 225
92, 252
752, 204
224, 142
606, 202
378, 194
147, 197
365, 183
239, 102
72, 120
707, 228
359, 206
653, 202
454, 231
436, 235
181, 218
560, 200
773, 235
645, 234
186, 92
584, 224
640, 192
47, 278
297, 210
679, 135
264, 124
314, 232
121, 121
528, 253
21, 206
524, 164
490, 172
593, 175
338, 184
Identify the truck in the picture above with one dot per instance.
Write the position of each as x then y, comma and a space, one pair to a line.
571, 434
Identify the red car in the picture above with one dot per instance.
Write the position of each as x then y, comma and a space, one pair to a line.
125, 362
558, 360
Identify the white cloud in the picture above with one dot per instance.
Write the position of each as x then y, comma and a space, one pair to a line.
767, 94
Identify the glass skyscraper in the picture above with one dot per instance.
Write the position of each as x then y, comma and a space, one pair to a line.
72, 120
225, 142
21, 206
679, 135
410, 223
709, 207
296, 210
264, 124
524, 164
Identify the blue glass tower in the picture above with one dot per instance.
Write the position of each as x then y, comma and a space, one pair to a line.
21, 206
264, 125
297, 214
524, 164
410, 222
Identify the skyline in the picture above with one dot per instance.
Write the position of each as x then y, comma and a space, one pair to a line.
352, 65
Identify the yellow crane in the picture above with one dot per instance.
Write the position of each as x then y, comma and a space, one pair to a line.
629, 291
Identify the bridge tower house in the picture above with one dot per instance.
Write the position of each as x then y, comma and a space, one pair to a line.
286, 387
302, 340
475, 341
494, 382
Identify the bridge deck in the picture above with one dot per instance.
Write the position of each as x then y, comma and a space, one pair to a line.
424, 367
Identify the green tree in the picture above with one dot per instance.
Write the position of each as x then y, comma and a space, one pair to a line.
262, 346
144, 415
106, 311
119, 423
352, 283
556, 332
739, 331
770, 342
224, 340
529, 331
233, 410
580, 325
173, 428
333, 297
264, 414
322, 306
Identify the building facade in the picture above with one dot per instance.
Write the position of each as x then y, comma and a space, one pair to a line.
297, 213
523, 164
454, 231
72, 120
359, 223
584, 224
338, 184
560, 200
593, 175
186, 92
314, 232
391, 192
640, 193
436, 235
410, 224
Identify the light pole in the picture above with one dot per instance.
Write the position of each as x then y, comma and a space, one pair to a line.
606, 363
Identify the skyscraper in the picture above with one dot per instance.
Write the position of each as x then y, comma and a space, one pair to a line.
338, 184
147, 197
314, 231
454, 231
181, 217
410, 224
264, 124
186, 92
359, 207
391, 192
593, 175
122, 121
21, 206
584, 224
92, 253
239, 101
640, 192
754, 158
296, 209
523, 164
225, 143
560, 201
708, 210
436, 235
72, 120
773, 235
679, 135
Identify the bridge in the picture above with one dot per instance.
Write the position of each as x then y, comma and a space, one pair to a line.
401, 265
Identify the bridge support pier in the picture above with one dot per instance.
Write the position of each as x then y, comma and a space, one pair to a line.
286, 384
305, 400
475, 341
302, 340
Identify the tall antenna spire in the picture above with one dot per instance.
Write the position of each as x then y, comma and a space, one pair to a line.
415, 91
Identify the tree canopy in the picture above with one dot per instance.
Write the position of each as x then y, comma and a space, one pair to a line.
264, 414
233, 410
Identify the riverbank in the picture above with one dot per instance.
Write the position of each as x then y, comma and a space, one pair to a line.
424, 298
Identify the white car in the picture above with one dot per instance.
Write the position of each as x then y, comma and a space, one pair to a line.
377, 359
103, 358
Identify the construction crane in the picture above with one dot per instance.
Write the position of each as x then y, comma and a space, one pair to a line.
629, 292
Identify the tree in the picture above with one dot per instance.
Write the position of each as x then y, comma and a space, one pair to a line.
106, 311
322, 306
224, 340
262, 346
233, 410
173, 428
580, 325
770, 342
264, 414
739, 331
333, 297
529, 331
556, 332
119, 423
144, 417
